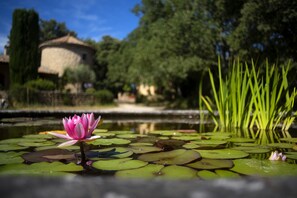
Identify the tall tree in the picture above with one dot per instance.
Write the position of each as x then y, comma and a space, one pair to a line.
50, 29
24, 41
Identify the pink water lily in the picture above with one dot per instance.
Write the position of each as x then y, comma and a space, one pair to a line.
276, 156
79, 129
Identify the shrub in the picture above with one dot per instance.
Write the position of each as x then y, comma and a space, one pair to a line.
41, 84
104, 96
20, 94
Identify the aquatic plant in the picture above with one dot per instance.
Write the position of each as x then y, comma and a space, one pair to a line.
78, 129
276, 156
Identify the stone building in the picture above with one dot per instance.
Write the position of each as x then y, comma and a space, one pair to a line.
63, 52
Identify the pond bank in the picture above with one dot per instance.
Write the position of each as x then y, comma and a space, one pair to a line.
74, 187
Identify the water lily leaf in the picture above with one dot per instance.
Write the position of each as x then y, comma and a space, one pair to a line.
186, 138
252, 150
122, 132
118, 164
148, 139
73, 147
130, 136
205, 174
11, 147
36, 144
281, 145
100, 131
116, 152
169, 144
21, 140
38, 136
166, 133
190, 145
293, 140
246, 144
177, 172
144, 149
264, 167
11, 158
147, 172
40, 168
49, 155
104, 135
209, 142
107, 142
222, 154
209, 164
227, 174
241, 140
175, 157
291, 155
187, 130
141, 144
218, 135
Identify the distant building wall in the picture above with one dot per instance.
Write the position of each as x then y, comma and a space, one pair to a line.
59, 57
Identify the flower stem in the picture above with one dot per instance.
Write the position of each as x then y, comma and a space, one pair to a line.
82, 154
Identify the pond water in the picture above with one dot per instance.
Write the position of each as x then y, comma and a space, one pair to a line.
170, 149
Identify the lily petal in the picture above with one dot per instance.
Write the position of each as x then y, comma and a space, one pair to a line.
93, 127
79, 131
91, 138
60, 135
68, 143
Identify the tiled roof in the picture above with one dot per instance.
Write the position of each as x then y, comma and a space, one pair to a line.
4, 58
68, 39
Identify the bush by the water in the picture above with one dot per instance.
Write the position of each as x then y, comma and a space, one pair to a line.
41, 84
104, 96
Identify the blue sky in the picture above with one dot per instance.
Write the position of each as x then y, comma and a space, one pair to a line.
88, 18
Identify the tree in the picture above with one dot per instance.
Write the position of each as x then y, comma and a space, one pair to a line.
24, 41
52, 29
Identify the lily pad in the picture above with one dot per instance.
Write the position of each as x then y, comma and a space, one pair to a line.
291, 155
247, 144
147, 172
227, 174
252, 150
186, 138
11, 147
209, 142
49, 155
130, 136
206, 174
36, 144
166, 133
190, 145
177, 172
241, 140
11, 158
222, 154
175, 157
104, 135
141, 144
144, 149
264, 167
118, 164
107, 142
39, 168
73, 147
281, 145
209, 164
169, 144
100, 131
21, 140
38, 136
120, 152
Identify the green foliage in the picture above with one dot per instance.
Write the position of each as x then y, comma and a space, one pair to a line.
104, 96
41, 84
20, 94
24, 41
51, 29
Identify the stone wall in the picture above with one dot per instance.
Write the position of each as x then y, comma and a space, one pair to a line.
59, 57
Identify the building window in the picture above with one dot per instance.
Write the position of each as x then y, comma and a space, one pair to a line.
84, 57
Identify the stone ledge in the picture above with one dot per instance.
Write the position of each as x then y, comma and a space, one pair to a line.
106, 187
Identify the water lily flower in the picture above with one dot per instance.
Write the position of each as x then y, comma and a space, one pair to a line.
79, 129
275, 156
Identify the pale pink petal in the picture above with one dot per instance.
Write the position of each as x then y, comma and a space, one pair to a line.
85, 122
68, 143
91, 119
91, 138
80, 132
60, 135
93, 127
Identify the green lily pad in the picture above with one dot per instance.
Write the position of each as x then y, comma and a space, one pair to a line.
175, 157
169, 144
118, 164
11, 158
264, 167
21, 140
222, 154
209, 142
177, 172
209, 164
36, 144
121, 132
291, 155
144, 149
11, 147
241, 140
190, 145
252, 150
123, 152
246, 144
40, 168
141, 144
49, 155
38, 136
206, 174
105, 135
166, 133
73, 147
107, 142
227, 174
186, 138
147, 172
281, 145
130, 136
100, 131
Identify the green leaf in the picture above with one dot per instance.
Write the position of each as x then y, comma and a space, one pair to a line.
205, 174
227, 174
144, 149
123, 152
281, 145
177, 172
147, 172
118, 164
209, 164
11, 158
222, 154
11, 147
